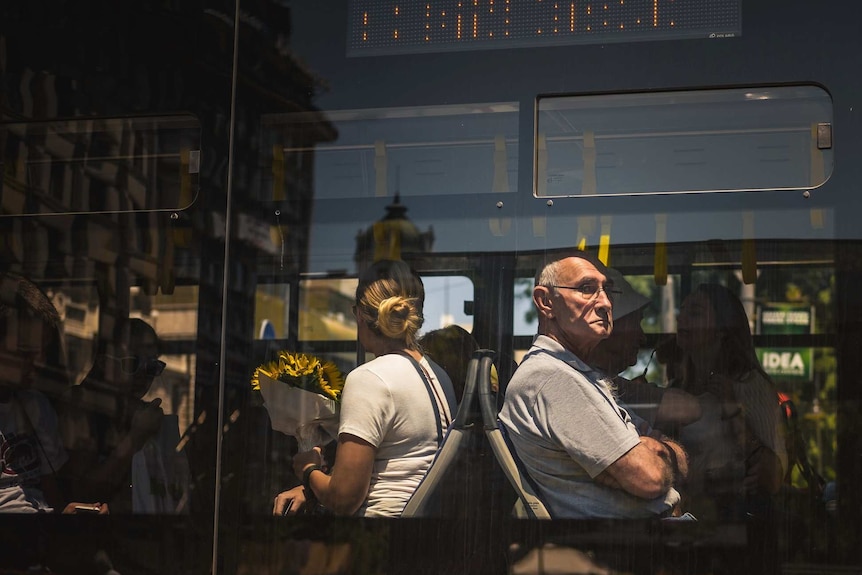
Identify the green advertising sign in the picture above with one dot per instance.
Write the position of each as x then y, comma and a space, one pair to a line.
785, 318
794, 363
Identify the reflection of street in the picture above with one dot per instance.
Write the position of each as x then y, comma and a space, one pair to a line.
555, 559
674, 548
315, 324
325, 310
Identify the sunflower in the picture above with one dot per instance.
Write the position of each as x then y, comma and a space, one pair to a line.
304, 372
331, 380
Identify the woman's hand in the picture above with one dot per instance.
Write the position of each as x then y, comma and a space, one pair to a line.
290, 502
306, 458
78, 508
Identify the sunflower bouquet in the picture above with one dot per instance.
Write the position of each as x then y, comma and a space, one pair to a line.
301, 394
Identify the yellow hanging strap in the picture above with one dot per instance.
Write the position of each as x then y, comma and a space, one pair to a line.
605, 241
586, 228
749, 254
660, 261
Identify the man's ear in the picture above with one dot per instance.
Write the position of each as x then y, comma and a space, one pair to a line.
542, 301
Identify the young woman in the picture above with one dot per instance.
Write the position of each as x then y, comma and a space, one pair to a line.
394, 409
736, 448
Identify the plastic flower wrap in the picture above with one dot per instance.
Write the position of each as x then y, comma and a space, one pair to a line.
301, 394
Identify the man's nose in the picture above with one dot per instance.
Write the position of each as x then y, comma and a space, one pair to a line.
603, 301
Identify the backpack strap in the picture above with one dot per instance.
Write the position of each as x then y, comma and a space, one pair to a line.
433, 395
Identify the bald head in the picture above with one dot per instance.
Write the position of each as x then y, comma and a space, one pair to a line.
572, 297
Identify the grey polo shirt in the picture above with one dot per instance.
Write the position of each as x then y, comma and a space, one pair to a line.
567, 428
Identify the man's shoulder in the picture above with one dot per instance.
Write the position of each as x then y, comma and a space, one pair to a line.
547, 354
544, 351
545, 343
536, 361
543, 375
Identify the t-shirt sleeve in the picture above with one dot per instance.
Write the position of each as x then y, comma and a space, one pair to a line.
592, 429
367, 407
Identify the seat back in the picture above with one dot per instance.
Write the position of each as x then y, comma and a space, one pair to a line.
423, 502
528, 505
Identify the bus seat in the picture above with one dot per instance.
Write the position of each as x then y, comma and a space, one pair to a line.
425, 500
528, 506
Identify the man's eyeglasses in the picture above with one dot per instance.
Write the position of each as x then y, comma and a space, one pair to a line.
591, 290
133, 364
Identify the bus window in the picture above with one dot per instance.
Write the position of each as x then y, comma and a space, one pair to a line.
692, 141
100, 164
424, 150
325, 308
445, 299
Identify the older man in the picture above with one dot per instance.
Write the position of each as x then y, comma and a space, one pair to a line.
578, 445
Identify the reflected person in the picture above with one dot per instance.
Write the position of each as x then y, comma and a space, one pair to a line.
737, 447
31, 450
451, 347
106, 424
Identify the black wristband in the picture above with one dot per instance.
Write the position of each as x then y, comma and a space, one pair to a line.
306, 475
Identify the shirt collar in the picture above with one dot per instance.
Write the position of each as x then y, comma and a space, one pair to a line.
556, 349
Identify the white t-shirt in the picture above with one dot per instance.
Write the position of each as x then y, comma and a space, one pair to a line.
30, 448
386, 403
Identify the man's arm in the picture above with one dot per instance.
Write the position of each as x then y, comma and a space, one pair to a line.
647, 470
89, 479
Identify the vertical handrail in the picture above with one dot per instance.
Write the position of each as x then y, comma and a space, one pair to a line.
487, 399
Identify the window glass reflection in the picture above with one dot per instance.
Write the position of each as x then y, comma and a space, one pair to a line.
693, 141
